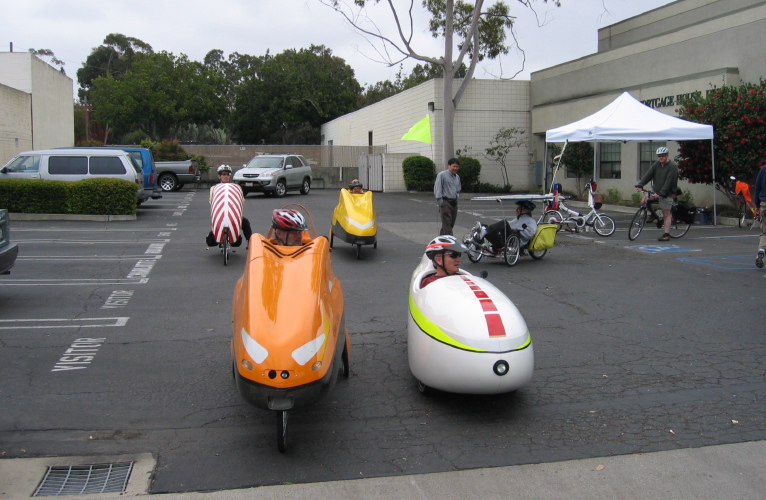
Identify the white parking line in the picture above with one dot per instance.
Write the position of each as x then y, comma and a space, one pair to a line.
26, 324
87, 257
73, 282
90, 242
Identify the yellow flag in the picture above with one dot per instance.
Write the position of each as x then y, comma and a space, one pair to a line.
420, 132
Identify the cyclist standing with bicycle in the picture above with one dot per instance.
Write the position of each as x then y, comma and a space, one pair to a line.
664, 177
759, 198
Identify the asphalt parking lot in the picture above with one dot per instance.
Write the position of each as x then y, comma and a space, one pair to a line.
640, 347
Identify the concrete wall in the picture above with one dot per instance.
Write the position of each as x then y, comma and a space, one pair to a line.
52, 108
15, 123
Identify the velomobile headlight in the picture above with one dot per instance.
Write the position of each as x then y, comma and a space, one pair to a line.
501, 367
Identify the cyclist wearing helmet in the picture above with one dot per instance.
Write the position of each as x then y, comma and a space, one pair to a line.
288, 227
356, 187
224, 175
445, 252
524, 224
664, 176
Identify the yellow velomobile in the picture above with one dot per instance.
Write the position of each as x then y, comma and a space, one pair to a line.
353, 219
289, 341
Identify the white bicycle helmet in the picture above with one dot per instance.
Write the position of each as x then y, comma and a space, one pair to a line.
442, 244
662, 150
224, 168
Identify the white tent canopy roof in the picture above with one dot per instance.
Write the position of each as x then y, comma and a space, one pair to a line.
626, 119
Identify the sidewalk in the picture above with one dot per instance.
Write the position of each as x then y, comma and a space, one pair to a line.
714, 472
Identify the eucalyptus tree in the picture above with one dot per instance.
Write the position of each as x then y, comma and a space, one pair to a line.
469, 32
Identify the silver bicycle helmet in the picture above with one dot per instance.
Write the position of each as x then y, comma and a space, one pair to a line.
662, 150
224, 168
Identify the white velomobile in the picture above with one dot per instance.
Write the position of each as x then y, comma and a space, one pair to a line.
465, 336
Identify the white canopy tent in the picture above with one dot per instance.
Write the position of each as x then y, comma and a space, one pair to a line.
626, 119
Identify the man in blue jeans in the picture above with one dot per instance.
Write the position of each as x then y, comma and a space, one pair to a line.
759, 198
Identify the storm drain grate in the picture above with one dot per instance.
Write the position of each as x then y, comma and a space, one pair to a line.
63, 480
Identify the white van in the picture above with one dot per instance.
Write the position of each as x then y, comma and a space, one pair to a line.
74, 165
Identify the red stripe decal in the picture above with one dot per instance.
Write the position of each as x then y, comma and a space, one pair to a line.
494, 321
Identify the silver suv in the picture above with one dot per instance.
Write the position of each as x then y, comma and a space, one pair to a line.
275, 174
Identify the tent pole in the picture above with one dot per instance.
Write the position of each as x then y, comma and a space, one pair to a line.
712, 159
545, 168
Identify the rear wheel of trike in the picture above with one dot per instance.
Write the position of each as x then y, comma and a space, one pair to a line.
537, 255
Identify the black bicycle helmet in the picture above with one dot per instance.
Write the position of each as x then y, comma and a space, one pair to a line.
355, 183
526, 204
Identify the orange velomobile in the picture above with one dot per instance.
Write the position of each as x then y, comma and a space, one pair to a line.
289, 339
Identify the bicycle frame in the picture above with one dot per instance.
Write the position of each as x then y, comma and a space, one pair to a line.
601, 223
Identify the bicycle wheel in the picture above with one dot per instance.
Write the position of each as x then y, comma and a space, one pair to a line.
474, 250
511, 250
637, 224
742, 214
678, 228
604, 225
552, 217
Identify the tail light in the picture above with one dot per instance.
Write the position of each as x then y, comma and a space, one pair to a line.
151, 178
191, 169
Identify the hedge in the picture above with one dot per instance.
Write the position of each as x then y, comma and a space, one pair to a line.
419, 173
101, 196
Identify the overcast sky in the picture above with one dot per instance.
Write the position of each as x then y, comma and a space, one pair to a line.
72, 28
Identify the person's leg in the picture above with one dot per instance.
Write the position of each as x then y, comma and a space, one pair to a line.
246, 230
762, 238
453, 212
445, 213
210, 239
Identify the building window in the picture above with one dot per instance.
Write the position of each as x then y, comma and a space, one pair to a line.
646, 156
609, 156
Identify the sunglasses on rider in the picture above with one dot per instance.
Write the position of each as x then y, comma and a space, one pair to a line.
454, 255
225, 173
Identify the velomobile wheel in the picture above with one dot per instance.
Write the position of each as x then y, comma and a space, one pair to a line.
225, 246
331, 238
474, 251
537, 255
358, 252
423, 388
346, 362
511, 251
282, 430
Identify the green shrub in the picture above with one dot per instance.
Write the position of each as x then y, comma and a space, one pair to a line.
686, 196
470, 170
612, 196
103, 196
34, 196
636, 199
419, 173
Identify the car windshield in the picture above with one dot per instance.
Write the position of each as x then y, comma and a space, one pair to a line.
24, 164
265, 162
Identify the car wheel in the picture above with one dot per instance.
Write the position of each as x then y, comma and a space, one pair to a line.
306, 186
167, 182
281, 189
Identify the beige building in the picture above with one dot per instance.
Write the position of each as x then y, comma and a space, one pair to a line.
684, 47
486, 107
36, 105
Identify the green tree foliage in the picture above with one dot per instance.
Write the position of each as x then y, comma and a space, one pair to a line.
578, 161
419, 173
737, 116
420, 73
115, 57
292, 95
501, 146
45, 54
158, 95
470, 171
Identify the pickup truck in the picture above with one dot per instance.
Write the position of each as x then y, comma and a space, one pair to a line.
172, 175
8, 249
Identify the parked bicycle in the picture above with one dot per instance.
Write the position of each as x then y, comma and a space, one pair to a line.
574, 221
747, 213
679, 225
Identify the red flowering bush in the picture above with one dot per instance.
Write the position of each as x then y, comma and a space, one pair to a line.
737, 117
